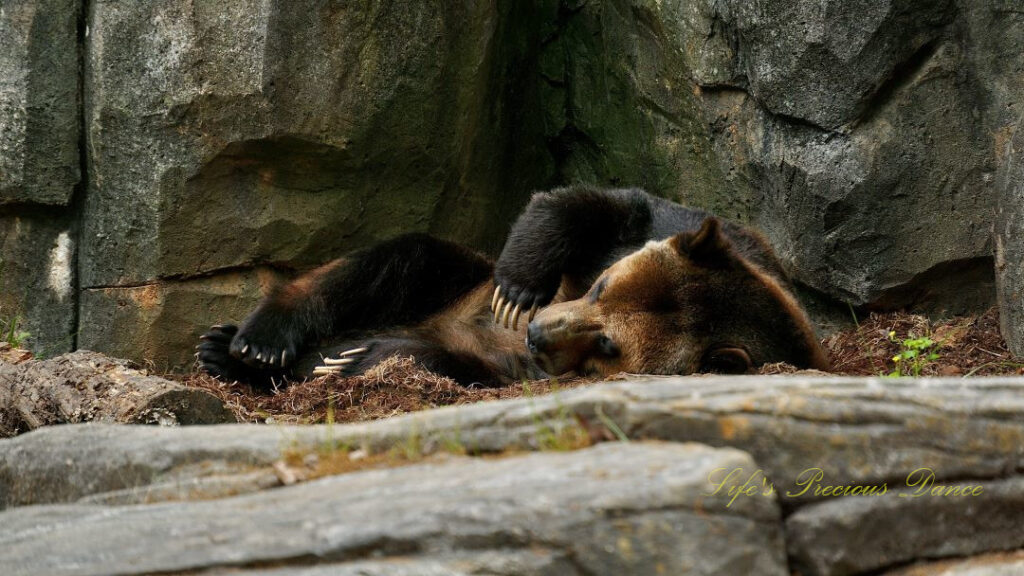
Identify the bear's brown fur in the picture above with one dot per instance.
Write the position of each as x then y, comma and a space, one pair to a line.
623, 282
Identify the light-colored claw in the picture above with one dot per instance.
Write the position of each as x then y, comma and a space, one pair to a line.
515, 316
505, 314
321, 370
353, 351
272, 359
245, 349
533, 312
497, 309
494, 299
284, 357
338, 361
260, 356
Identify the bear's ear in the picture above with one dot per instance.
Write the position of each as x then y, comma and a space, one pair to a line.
707, 247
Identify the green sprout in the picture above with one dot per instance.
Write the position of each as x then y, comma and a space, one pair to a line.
913, 356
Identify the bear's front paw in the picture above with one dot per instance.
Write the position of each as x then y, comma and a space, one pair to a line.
267, 340
214, 359
512, 298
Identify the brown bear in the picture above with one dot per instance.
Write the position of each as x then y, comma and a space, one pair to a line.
590, 282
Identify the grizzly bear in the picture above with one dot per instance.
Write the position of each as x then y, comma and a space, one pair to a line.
589, 282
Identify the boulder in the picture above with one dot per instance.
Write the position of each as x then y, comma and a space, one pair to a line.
119, 464
39, 101
40, 122
612, 509
619, 104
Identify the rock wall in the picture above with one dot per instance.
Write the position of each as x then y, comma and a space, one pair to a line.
163, 161
1009, 239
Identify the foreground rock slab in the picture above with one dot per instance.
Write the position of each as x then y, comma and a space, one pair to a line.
84, 386
814, 446
1001, 564
616, 508
857, 431
856, 535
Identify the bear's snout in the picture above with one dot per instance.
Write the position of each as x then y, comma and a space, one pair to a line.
561, 338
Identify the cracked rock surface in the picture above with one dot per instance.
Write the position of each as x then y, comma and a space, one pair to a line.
185, 157
822, 475
611, 509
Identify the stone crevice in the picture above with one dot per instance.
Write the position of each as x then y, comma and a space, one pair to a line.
898, 79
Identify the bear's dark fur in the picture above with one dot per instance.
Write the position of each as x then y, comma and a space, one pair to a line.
623, 281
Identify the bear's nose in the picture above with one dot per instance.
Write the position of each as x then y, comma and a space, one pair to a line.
535, 339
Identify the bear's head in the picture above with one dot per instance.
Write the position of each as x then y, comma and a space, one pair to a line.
687, 304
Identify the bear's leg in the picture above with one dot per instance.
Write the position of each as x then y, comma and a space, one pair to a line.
400, 281
569, 234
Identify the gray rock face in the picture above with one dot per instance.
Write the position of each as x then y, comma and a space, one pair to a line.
1009, 238
38, 279
618, 102
823, 62
861, 129
612, 509
265, 131
162, 321
225, 137
228, 141
39, 165
39, 101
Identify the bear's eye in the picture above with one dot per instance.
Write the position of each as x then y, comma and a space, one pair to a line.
606, 347
726, 360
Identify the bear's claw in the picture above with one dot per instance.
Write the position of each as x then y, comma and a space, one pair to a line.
507, 311
339, 364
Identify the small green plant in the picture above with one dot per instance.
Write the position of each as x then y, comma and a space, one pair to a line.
9, 325
563, 432
11, 331
913, 356
610, 424
411, 449
453, 443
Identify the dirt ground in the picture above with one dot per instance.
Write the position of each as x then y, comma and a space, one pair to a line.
958, 347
